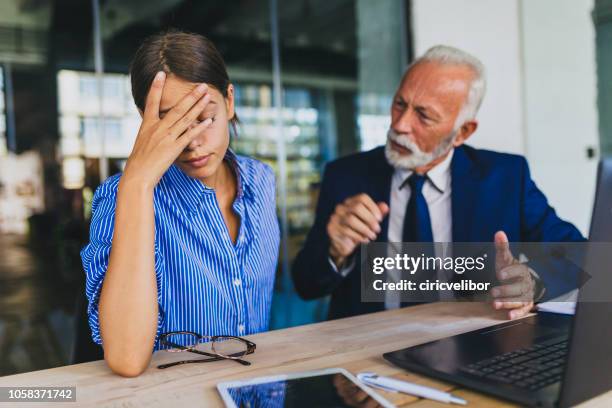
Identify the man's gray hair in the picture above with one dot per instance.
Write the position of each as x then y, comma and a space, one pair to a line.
446, 55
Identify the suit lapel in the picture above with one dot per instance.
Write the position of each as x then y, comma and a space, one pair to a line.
464, 196
380, 187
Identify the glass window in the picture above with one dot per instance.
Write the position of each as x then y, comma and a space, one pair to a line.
336, 101
42, 225
88, 87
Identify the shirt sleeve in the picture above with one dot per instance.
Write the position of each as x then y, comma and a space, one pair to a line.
95, 256
346, 268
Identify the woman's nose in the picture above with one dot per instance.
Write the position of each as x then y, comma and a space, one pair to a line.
195, 143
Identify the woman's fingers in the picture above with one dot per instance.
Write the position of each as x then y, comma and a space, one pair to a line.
151, 112
178, 112
190, 117
188, 136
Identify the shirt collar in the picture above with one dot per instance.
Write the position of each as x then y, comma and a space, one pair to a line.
439, 175
242, 175
191, 190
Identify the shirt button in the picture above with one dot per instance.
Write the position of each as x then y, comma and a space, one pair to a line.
237, 282
241, 328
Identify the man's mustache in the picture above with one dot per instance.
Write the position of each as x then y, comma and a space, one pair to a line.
403, 140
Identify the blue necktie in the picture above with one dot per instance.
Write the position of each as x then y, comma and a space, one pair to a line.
417, 224
417, 228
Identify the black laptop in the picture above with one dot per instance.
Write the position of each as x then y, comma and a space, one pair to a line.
543, 360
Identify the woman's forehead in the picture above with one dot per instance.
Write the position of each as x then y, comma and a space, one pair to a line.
176, 89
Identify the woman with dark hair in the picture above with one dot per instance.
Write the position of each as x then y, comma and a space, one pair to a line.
186, 239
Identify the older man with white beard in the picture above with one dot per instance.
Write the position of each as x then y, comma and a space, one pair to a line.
426, 185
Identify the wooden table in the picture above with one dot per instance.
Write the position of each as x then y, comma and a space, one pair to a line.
356, 344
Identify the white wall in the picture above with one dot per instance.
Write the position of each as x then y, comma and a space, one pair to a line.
489, 30
561, 102
541, 97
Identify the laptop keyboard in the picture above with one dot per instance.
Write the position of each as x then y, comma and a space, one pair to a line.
530, 368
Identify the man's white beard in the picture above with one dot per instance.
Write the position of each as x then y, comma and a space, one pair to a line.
417, 157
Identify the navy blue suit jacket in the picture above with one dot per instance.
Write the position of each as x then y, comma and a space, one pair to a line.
490, 192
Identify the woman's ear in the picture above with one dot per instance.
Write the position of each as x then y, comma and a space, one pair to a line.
229, 102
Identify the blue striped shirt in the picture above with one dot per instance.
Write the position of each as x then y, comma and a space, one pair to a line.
205, 282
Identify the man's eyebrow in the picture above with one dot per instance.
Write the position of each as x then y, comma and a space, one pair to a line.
164, 111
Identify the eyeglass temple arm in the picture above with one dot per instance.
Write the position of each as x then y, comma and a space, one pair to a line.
243, 362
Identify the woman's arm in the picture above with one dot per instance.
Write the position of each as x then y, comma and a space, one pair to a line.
128, 300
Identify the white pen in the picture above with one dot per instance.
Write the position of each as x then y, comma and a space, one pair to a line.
393, 385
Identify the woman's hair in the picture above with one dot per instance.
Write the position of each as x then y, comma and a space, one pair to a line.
191, 57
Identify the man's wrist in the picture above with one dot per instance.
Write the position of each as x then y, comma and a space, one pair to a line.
339, 261
336, 258
345, 268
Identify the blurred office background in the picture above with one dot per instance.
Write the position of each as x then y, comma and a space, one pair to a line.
314, 80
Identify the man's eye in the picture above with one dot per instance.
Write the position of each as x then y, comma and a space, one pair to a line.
400, 104
422, 115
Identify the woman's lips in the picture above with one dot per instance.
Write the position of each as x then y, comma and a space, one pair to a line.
399, 148
198, 162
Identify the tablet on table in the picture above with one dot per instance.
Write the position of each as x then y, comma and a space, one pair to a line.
332, 387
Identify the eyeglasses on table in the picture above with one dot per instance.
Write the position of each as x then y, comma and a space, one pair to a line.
215, 347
